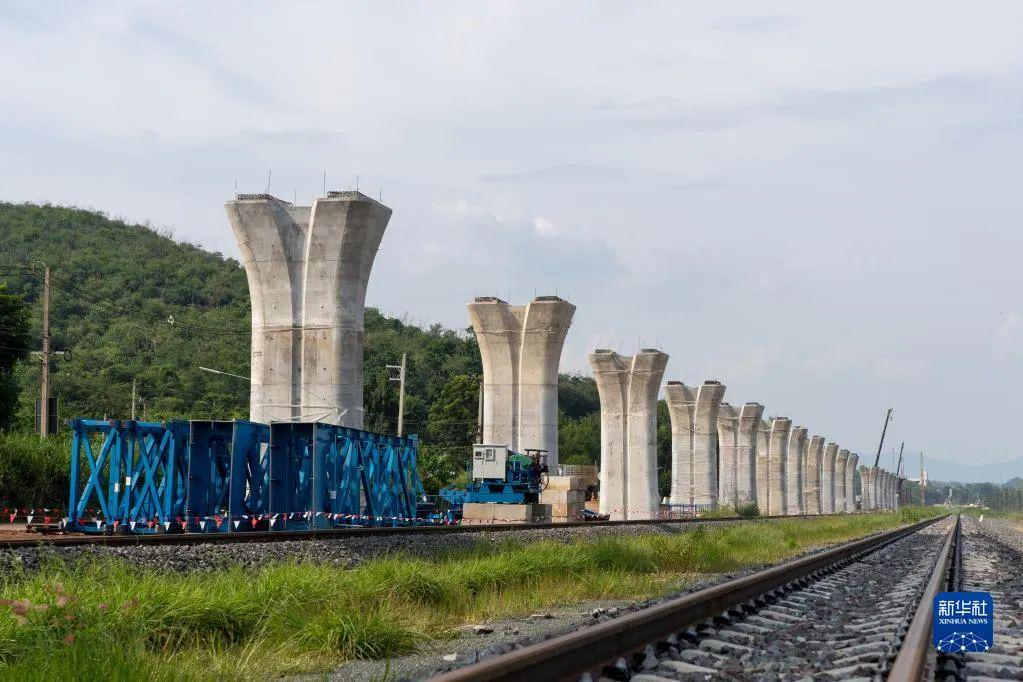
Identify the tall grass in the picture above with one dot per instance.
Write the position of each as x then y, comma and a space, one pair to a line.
109, 620
33, 471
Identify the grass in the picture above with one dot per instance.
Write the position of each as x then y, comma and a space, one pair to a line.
109, 620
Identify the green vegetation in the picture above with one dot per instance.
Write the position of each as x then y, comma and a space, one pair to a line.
108, 620
14, 340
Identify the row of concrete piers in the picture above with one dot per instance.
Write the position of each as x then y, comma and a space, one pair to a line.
308, 269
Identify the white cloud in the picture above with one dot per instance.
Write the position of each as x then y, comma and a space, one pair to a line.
545, 228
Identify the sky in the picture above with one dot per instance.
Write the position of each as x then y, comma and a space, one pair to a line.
817, 204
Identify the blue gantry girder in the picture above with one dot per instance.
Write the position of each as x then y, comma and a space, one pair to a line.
235, 476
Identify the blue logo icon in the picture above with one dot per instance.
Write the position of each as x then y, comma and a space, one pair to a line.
964, 622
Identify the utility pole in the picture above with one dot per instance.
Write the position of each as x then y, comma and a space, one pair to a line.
44, 384
887, 418
401, 392
133, 394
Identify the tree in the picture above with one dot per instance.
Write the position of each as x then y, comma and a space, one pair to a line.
14, 346
453, 415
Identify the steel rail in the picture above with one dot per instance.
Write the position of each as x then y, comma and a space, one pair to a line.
338, 533
911, 661
570, 656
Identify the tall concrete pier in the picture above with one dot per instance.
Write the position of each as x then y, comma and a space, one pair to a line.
812, 475
308, 268
628, 388
777, 462
828, 465
850, 473
763, 466
728, 446
841, 462
794, 468
521, 350
694, 442
868, 481
746, 454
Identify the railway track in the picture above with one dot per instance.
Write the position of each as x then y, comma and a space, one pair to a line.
857, 611
126, 539
986, 564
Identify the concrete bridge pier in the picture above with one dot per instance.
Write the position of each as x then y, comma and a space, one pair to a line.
728, 446
746, 454
694, 442
763, 466
628, 387
850, 473
777, 455
841, 494
812, 475
795, 463
520, 347
828, 478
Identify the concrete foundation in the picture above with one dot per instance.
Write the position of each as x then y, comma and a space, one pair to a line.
828, 462
694, 442
728, 446
484, 513
812, 475
521, 350
850, 474
763, 468
628, 388
841, 493
308, 268
777, 466
746, 454
795, 463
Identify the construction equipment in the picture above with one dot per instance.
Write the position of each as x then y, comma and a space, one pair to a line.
501, 476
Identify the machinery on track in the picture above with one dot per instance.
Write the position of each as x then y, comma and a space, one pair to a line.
498, 475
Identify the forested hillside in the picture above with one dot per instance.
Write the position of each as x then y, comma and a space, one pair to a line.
131, 303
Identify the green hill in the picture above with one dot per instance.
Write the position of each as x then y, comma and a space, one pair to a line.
117, 287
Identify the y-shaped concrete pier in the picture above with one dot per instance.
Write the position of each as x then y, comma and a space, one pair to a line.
694, 442
746, 454
868, 482
308, 268
521, 350
777, 463
763, 466
794, 467
728, 446
828, 465
850, 473
812, 475
841, 494
628, 388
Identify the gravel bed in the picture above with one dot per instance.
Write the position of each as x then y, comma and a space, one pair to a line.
993, 562
341, 552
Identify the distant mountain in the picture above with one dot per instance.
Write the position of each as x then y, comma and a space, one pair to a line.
960, 472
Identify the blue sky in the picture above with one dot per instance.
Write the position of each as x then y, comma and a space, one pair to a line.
815, 203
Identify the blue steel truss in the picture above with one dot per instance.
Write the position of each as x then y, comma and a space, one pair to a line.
220, 476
